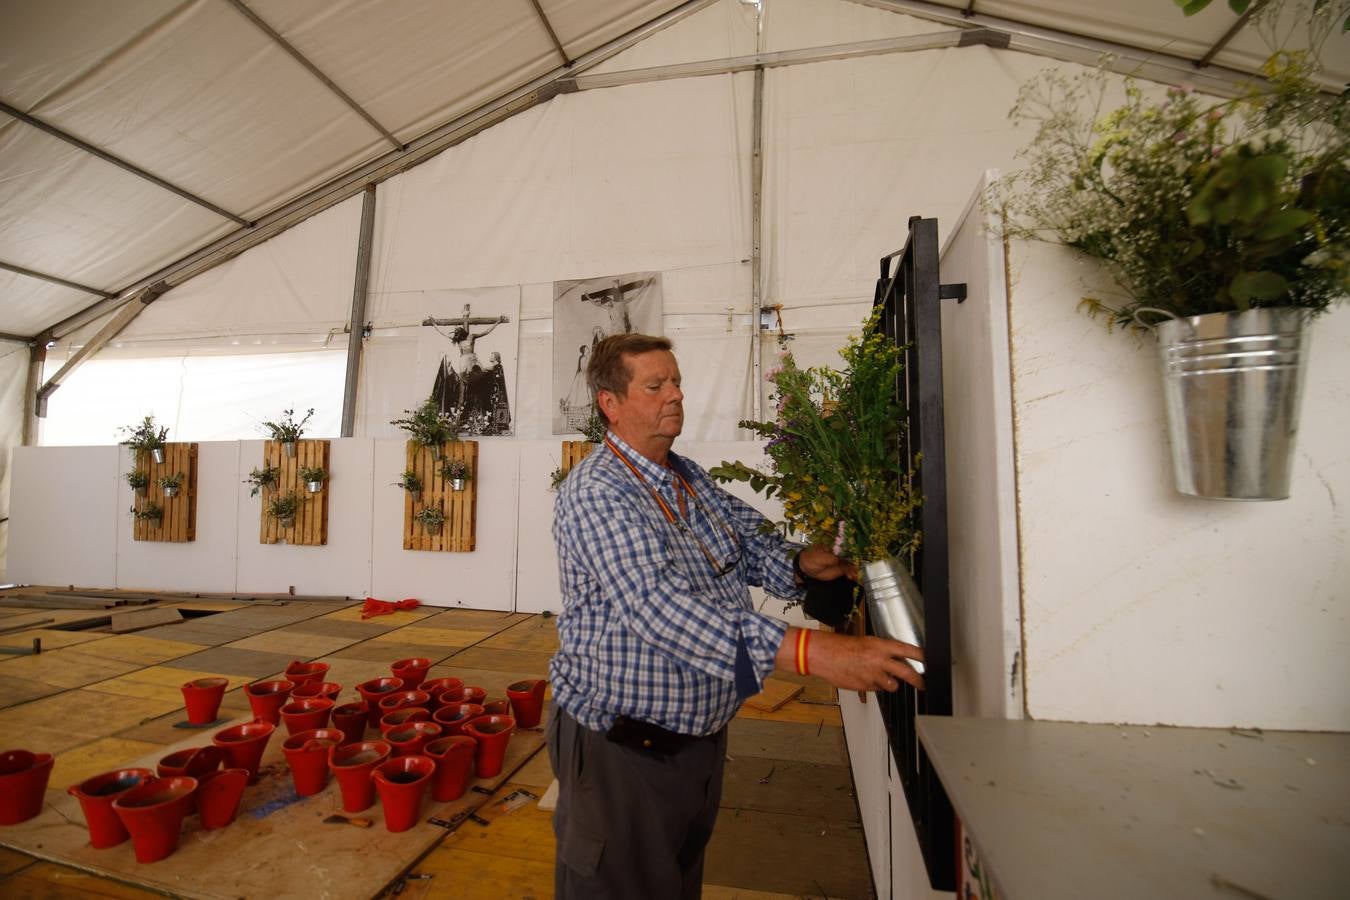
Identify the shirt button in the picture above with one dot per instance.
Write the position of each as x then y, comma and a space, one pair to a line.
646, 743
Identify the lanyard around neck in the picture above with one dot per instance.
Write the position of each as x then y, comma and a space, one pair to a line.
680, 482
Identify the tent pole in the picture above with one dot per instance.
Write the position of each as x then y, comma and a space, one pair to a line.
356, 326
756, 246
37, 357
42, 276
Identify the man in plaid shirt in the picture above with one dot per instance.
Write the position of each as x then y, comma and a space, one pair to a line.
660, 643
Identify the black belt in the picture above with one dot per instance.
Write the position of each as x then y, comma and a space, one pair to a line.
649, 738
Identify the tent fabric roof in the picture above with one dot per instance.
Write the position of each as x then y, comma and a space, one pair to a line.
197, 94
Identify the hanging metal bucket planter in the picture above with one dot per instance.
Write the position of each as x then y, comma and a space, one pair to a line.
314, 487
1232, 384
157, 454
289, 448
894, 603
457, 484
170, 490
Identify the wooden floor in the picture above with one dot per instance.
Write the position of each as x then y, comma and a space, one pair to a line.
789, 821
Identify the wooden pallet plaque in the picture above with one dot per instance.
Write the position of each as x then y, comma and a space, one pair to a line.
460, 507
310, 527
178, 524
574, 452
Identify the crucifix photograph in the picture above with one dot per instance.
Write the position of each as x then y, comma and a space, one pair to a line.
471, 381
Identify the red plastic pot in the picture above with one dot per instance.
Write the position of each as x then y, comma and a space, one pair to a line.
307, 755
96, 796
400, 717
454, 766
326, 689
455, 716
244, 745
408, 739
307, 714
401, 783
527, 701
23, 781
492, 734
193, 762
403, 700
352, 765
351, 718
497, 707
375, 689
473, 694
218, 796
201, 699
299, 673
413, 671
153, 813
266, 698
443, 691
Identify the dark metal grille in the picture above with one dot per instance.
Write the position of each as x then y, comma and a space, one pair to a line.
909, 290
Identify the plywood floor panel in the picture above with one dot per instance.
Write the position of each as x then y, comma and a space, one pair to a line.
464, 875
796, 711
95, 758
357, 631
82, 712
293, 643
482, 657
50, 881
68, 668
451, 638
251, 664
14, 691
536, 633
136, 648
388, 651
788, 786
51, 638
394, 619
799, 855
473, 620
786, 740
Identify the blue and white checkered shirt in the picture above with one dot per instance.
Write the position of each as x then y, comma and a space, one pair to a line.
648, 630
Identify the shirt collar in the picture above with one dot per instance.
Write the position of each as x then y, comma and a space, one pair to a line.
654, 473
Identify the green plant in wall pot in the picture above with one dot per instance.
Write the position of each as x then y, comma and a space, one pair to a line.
146, 436
265, 477
313, 477
556, 478
284, 508
411, 483
170, 484
429, 426
457, 472
1226, 224
150, 512
430, 518
286, 430
138, 480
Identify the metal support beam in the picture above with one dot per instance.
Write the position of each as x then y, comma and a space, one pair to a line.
16, 338
20, 270
120, 163
349, 184
105, 334
552, 35
356, 325
314, 70
756, 245
37, 358
1231, 33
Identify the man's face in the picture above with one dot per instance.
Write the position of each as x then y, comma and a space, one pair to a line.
653, 407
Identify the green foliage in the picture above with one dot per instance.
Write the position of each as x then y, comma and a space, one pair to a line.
148, 513
313, 473
261, 478
595, 428
833, 452
171, 481
287, 430
430, 516
556, 478
409, 481
453, 469
284, 506
1198, 206
427, 425
137, 479
146, 435
1317, 8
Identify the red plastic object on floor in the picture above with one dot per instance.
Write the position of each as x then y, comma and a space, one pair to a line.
266, 698
413, 671
23, 781
244, 745
201, 699
352, 765
375, 607
218, 796
153, 812
351, 719
527, 701
492, 733
307, 755
401, 783
299, 673
96, 796
454, 766
306, 714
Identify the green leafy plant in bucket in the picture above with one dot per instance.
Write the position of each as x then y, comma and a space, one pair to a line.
284, 507
286, 429
138, 480
313, 473
427, 425
267, 476
150, 512
146, 435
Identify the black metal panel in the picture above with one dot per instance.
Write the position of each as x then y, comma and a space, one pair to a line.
909, 290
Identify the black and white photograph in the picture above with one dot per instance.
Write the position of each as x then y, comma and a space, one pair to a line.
466, 361
585, 312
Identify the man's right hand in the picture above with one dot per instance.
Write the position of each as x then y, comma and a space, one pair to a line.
854, 663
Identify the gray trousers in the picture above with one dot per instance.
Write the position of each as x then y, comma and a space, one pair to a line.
630, 825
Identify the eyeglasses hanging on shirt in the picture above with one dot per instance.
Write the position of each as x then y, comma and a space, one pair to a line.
683, 489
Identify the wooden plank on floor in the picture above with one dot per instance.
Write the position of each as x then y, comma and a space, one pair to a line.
805, 856
465, 875
536, 633
393, 619
473, 619
775, 693
796, 711
145, 617
136, 648
89, 714
788, 786
50, 881
14, 691
66, 668
388, 651
95, 758
482, 657
433, 637
294, 642
52, 639
12, 861
356, 863
786, 740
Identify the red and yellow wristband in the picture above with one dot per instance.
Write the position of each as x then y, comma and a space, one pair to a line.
803, 639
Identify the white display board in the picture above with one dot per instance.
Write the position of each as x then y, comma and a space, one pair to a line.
64, 516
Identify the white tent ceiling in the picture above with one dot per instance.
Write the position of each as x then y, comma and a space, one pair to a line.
261, 112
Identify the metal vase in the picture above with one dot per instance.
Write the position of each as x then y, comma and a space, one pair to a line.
170, 490
289, 448
416, 496
157, 454
456, 484
286, 521
894, 603
432, 527
1232, 384
313, 487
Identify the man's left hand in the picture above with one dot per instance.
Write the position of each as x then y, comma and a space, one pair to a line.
822, 565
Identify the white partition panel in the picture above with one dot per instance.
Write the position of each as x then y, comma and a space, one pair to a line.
483, 579
64, 516
536, 560
342, 566
204, 564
